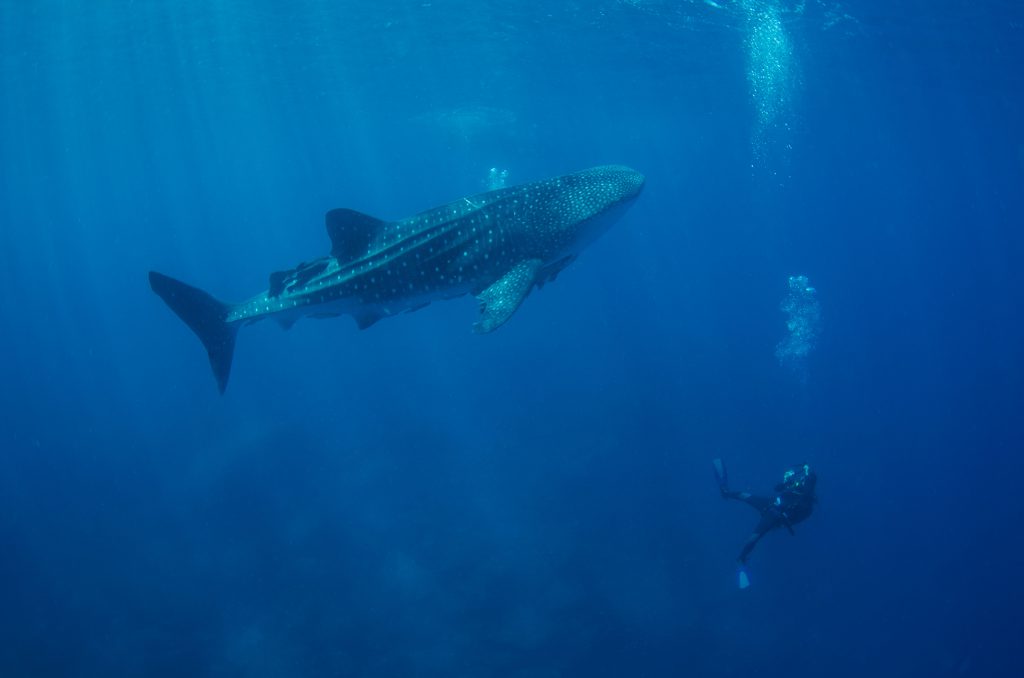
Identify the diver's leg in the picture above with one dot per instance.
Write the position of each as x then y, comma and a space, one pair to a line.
722, 475
749, 546
769, 521
759, 503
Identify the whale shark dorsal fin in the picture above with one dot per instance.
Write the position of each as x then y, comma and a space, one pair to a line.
277, 280
499, 301
351, 232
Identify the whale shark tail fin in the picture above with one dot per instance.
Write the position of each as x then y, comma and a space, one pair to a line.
205, 316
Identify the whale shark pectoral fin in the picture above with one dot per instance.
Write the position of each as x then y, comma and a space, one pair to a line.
550, 272
351, 232
413, 309
367, 318
499, 301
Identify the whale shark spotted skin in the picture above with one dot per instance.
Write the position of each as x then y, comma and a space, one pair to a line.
497, 246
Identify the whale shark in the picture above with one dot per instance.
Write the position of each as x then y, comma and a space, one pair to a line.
498, 246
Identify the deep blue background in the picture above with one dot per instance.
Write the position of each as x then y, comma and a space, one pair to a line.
419, 500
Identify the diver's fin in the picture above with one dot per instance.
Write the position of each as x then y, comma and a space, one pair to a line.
742, 578
206, 316
721, 474
351, 232
499, 301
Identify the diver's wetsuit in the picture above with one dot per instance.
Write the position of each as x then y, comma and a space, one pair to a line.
792, 503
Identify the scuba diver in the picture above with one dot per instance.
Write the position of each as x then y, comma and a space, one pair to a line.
792, 502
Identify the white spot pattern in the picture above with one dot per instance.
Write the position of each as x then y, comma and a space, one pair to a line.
442, 253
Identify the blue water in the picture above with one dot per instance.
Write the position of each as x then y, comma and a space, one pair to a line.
418, 500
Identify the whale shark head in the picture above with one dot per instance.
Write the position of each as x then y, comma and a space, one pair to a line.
590, 201
612, 183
